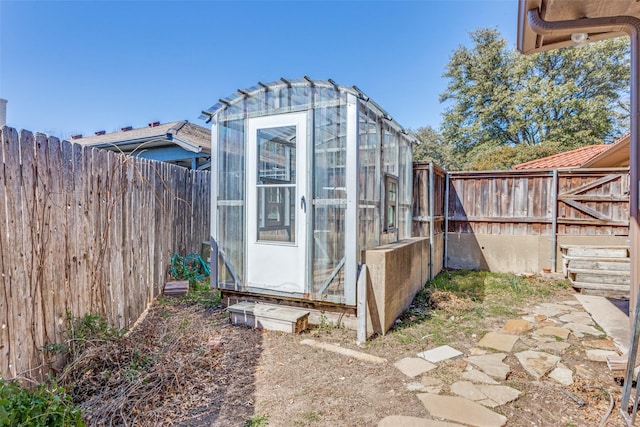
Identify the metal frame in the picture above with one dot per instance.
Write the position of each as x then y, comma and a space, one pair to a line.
353, 197
307, 96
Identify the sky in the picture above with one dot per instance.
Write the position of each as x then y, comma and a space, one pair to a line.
77, 67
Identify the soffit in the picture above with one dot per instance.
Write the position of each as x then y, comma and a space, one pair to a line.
567, 10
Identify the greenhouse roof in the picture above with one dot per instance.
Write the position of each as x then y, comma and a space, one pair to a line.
259, 89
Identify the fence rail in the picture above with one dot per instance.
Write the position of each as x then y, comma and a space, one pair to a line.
557, 205
569, 202
85, 231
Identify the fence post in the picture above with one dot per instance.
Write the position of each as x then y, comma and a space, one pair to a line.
431, 218
554, 221
446, 219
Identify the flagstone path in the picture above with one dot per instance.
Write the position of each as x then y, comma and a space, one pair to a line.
479, 390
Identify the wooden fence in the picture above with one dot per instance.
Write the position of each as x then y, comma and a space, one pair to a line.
429, 183
553, 203
85, 231
569, 202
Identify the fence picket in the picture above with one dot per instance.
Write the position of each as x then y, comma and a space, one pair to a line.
84, 230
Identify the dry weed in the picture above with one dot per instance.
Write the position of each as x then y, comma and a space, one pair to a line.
449, 302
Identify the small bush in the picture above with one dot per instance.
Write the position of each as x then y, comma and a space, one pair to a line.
84, 332
47, 405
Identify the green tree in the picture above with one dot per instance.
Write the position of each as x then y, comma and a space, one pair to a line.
499, 99
433, 148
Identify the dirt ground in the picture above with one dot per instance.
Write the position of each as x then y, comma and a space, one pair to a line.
184, 364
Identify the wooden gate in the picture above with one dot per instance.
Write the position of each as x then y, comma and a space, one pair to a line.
589, 198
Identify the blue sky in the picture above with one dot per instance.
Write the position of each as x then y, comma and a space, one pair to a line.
81, 66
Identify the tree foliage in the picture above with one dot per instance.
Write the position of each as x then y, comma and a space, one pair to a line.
433, 148
499, 101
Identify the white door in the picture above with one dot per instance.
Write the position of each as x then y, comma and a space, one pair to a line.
276, 202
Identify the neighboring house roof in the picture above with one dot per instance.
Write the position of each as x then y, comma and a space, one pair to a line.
568, 159
172, 142
617, 154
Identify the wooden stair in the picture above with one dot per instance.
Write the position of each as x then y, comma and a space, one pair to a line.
268, 316
598, 270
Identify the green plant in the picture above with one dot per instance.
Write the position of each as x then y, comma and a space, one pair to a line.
82, 332
324, 324
47, 405
258, 420
311, 416
204, 295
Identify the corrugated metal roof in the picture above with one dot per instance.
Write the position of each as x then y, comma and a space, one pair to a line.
568, 159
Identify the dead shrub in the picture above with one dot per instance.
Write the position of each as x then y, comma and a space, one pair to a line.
449, 302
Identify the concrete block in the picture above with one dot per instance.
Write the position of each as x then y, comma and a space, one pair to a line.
397, 271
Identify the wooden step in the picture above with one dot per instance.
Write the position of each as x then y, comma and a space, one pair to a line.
599, 278
270, 317
601, 286
587, 264
590, 251
607, 291
595, 258
591, 271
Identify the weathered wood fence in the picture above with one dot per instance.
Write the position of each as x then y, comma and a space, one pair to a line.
85, 231
550, 203
429, 183
574, 201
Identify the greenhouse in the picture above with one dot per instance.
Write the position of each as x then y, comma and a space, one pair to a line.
306, 176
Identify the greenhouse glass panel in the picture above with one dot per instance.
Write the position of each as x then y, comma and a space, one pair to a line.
300, 188
230, 227
329, 200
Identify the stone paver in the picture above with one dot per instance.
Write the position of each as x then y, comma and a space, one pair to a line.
602, 344
478, 377
539, 318
537, 363
577, 317
439, 354
549, 311
562, 307
553, 346
500, 342
414, 366
406, 421
491, 364
554, 331
517, 326
597, 355
487, 395
544, 331
468, 390
500, 394
417, 387
432, 385
579, 330
461, 410
562, 375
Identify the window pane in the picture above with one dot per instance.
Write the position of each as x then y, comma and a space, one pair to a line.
276, 214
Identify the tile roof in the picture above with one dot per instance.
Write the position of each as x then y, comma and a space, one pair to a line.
568, 159
618, 154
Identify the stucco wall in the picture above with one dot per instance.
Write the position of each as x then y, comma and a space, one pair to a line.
514, 253
397, 271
